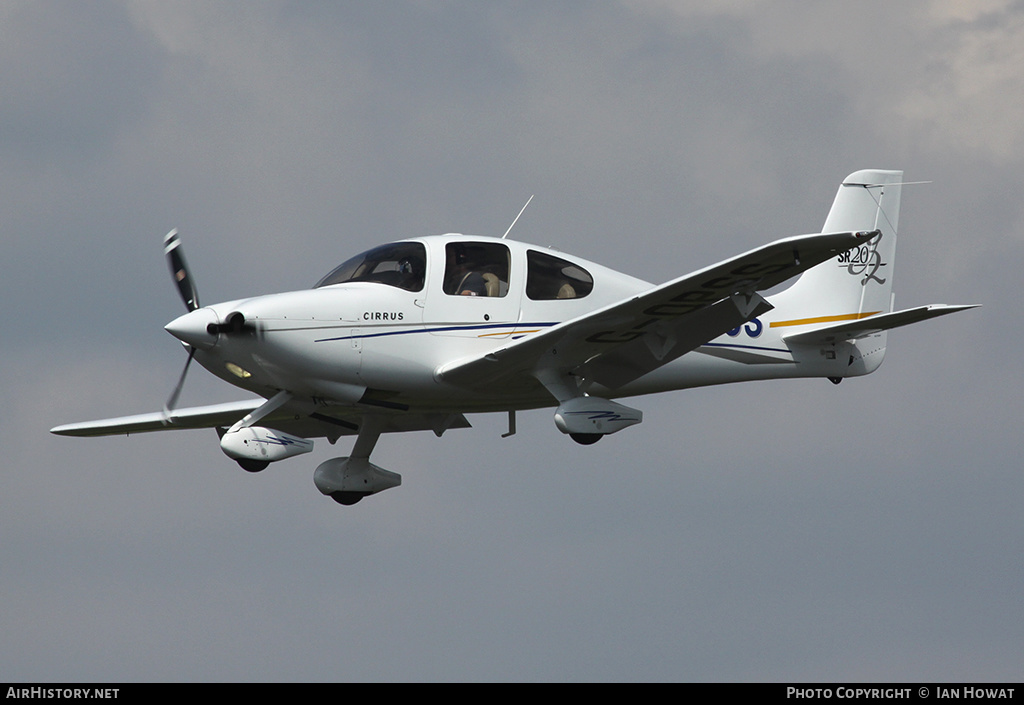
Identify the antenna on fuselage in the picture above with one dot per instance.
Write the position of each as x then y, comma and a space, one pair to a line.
517, 217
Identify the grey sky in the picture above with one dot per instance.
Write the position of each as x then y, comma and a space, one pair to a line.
769, 531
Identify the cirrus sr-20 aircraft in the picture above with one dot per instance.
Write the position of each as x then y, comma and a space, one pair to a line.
413, 335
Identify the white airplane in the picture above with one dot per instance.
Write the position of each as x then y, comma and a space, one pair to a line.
415, 334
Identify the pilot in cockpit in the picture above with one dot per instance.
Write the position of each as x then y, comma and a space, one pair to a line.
412, 269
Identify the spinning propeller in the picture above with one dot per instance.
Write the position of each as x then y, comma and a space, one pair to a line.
199, 328
187, 289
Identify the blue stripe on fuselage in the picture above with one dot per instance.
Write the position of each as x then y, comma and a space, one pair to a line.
443, 329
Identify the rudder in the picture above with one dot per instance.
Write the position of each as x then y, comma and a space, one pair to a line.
858, 283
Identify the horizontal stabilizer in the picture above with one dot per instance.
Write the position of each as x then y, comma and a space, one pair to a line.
874, 324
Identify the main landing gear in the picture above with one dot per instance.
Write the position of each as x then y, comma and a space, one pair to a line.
348, 480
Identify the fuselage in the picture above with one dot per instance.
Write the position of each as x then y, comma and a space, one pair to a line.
377, 328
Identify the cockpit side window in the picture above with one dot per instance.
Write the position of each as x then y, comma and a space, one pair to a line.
401, 264
476, 269
549, 277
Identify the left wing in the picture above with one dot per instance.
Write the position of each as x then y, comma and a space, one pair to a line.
331, 422
195, 417
625, 340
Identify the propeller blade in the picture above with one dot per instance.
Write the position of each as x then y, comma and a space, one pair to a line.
173, 401
179, 271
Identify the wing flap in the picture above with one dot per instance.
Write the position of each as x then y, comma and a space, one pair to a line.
667, 340
667, 312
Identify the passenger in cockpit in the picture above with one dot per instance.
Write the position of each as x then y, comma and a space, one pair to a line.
465, 275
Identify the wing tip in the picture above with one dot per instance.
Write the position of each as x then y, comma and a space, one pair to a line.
71, 429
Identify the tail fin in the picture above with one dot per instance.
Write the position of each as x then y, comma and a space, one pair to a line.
859, 283
844, 306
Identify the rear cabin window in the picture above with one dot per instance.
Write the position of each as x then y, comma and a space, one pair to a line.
549, 277
476, 269
401, 264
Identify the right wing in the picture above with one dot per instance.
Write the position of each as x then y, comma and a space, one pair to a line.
625, 340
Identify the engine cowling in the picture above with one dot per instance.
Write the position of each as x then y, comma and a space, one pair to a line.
594, 415
263, 445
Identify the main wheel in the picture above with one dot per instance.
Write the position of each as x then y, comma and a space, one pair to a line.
347, 498
253, 465
586, 439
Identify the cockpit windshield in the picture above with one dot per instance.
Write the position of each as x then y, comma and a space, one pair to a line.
401, 264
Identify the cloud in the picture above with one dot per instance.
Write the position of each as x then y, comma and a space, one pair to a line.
77, 80
942, 73
786, 530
